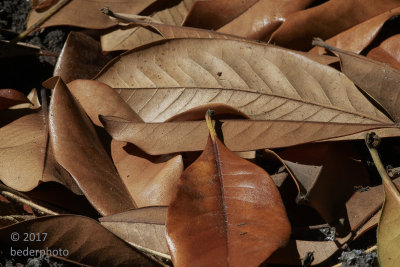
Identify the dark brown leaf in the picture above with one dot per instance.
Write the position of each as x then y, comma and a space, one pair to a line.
80, 58
79, 239
73, 138
326, 20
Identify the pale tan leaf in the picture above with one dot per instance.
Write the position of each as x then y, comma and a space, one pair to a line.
144, 227
209, 70
150, 182
239, 135
22, 151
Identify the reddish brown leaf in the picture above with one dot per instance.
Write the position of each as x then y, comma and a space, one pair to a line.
42, 5
10, 97
359, 36
214, 14
73, 138
263, 18
80, 58
388, 51
326, 20
227, 212
79, 239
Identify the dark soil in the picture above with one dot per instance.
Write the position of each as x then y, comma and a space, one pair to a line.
27, 72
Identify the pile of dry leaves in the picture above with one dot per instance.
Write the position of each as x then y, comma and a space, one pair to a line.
206, 133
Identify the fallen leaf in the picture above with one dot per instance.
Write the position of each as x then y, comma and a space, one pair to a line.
341, 172
239, 135
221, 111
144, 227
98, 98
388, 52
150, 181
72, 138
23, 147
377, 79
359, 36
33, 101
263, 18
364, 204
76, 238
42, 5
80, 58
11, 97
213, 15
227, 210
22, 49
86, 14
326, 20
266, 81
129, 37
388, 228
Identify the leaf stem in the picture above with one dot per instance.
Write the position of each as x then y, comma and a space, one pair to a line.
137, 19
40, 21
210, 127
372, 141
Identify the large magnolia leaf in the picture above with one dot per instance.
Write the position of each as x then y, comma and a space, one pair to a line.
77, 238
388, 51
86, 14
73, 138
227, 212
265, 81
125, 38
149, 180
326, 20
361, 35
377, 79
239, 135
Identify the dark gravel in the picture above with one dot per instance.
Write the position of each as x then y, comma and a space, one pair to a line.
25, 73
